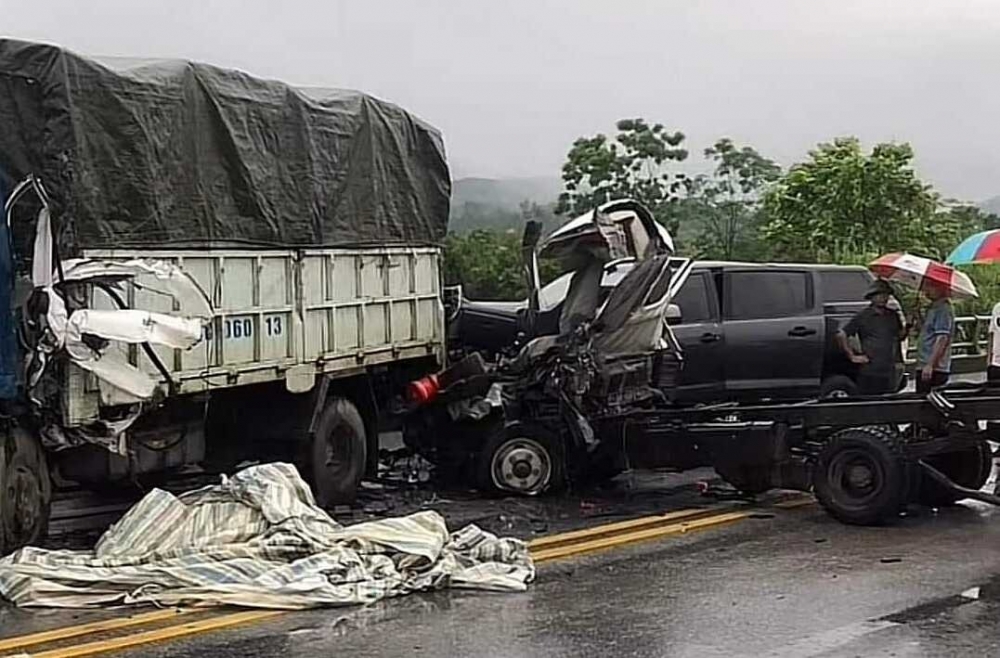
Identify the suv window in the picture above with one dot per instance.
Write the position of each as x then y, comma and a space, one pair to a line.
693, 300
758, 295
844, 285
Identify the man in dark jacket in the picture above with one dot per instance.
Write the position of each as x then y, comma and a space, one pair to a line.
881, 333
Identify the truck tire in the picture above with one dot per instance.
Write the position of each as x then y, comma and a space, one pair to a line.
25, 491
521, 458
339, 454
970, 468
751, 479
861, 477
838, 386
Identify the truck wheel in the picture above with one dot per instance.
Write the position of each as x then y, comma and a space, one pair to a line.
838, 386
750, 479
339, 453
25, 491
521, 458
861, 477
970, 468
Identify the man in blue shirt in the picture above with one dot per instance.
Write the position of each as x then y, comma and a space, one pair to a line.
934, 349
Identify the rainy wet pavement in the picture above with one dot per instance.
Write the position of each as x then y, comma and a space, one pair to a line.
790, 582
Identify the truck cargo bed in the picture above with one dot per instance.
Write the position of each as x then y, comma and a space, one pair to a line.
293, 314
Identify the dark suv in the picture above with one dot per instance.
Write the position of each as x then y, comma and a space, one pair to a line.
747, 330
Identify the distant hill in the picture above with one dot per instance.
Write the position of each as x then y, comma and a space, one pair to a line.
991, 205
506, 192
488, 203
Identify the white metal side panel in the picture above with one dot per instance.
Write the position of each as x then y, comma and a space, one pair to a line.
336, 308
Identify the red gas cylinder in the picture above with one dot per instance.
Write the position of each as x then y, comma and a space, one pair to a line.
423, 390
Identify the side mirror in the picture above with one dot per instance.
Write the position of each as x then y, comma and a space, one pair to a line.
529, 261
674, 315
452, 297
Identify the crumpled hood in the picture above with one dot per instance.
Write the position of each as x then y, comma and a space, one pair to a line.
617, 229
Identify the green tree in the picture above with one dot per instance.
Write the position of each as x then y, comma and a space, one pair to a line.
632, 164
843, 203
486, 263
730, 201
953, 222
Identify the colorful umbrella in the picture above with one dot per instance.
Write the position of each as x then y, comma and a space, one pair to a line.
979, 248
917, 272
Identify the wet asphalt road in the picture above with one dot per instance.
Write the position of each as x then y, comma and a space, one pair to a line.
793, 584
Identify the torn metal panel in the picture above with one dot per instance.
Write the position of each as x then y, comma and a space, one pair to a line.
583, 297
74, 331
109, 435
133, 326
171, 280
619, 225
633, 319
70, 333
42, 267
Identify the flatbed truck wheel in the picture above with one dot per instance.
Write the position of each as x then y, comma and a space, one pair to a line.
25, 491
339, 454
969, 468
861, 477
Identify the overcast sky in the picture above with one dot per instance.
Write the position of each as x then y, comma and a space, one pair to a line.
511, 83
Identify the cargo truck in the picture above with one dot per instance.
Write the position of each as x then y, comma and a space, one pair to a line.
201, 267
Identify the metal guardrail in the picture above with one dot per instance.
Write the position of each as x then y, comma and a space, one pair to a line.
969, 348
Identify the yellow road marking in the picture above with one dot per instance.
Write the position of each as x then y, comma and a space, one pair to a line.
67, 632
614, 528
159, 635
796, 502
613, 541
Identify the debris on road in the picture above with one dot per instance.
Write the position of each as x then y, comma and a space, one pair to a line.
259, 540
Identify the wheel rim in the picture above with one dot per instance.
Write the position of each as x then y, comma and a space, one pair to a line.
855, 478
838, 394
522, 465
24, 499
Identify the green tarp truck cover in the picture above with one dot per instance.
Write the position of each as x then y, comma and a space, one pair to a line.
140, 153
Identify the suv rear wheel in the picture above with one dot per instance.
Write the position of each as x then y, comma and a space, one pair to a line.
838, 386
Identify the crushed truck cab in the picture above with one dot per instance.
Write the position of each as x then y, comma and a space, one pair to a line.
552, 411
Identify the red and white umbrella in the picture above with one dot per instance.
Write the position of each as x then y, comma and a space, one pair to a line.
917, 272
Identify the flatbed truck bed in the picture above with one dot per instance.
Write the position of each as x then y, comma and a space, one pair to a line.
865, 458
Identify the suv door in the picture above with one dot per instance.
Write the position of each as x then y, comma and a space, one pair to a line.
773, 332
699, 332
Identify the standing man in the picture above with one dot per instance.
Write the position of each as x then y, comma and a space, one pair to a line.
880, 332
934, 349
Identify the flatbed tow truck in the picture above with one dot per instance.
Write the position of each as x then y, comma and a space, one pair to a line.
596, 398
864, 458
